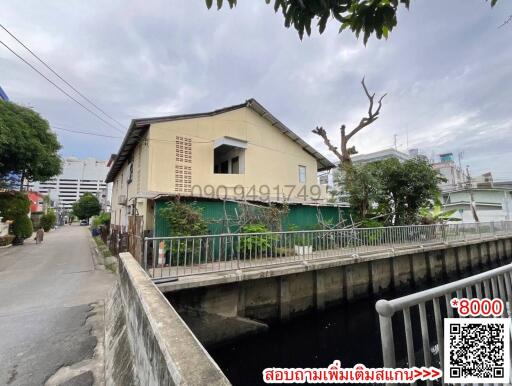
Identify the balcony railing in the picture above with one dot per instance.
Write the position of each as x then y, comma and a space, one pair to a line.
172, 257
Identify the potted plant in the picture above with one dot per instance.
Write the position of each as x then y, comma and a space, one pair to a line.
302, 243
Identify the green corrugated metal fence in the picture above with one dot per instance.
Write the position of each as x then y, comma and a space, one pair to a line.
220, 215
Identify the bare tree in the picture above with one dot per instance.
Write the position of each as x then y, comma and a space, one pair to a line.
344, 155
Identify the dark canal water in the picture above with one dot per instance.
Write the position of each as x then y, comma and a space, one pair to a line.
349, 333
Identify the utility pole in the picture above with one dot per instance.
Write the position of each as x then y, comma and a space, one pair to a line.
394, 140
472, 203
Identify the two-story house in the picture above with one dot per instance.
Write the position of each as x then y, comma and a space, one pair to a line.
240, 152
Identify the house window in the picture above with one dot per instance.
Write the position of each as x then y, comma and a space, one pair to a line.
228, 159
302, 174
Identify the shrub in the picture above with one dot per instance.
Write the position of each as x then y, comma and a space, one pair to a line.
6, 240
257, 245
22, 227
48, 220
184, 219
13, 205
102, 219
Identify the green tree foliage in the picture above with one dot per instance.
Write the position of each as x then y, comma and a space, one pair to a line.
184, 219
87, 206
364, 188
366, 17
436, 214
13, 205
28, 148
22, 227
391, 190
102, 219
409, 186
48, 220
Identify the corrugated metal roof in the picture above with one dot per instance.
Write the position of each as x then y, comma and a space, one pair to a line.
138, 128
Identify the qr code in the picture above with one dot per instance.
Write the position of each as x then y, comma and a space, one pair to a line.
476, 350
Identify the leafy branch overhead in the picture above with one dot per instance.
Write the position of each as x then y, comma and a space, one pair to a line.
366, 17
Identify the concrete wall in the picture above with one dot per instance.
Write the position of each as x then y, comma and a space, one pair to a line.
147, 342
267, 294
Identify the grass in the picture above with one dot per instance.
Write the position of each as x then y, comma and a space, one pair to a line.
105, 252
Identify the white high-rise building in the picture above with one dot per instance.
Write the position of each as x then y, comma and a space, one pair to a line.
77, 178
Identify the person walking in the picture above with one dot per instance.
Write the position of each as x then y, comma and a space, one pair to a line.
39, 235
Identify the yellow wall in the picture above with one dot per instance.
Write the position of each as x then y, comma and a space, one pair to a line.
138, 184
271, 158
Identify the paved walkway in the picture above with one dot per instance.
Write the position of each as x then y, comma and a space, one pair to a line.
51, 311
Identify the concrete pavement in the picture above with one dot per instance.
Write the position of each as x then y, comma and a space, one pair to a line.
51, 311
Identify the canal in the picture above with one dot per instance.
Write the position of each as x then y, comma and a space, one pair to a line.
349, 333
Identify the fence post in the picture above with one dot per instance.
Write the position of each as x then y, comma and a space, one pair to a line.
239, 254
386, 332
145, 253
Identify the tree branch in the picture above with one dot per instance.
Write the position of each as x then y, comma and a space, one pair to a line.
321, 132
344, 156
372, 116
508, 20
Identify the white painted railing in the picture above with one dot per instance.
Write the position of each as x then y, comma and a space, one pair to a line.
172, 257
496, 283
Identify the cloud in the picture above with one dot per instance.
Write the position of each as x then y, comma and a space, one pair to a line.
447, 73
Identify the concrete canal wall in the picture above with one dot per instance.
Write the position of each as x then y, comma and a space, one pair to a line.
146, 341
282, 292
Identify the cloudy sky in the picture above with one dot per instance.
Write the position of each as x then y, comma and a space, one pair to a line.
446, 68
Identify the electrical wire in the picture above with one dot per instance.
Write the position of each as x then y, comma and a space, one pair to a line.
59, 88
84, 132
60, 77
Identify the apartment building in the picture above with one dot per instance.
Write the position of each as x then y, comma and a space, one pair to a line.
77, 178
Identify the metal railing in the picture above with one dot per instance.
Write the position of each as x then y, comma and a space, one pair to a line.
495, 283
171, 257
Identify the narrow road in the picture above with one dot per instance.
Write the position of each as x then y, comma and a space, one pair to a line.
51, 311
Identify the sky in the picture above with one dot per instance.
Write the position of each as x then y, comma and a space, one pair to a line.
446, 68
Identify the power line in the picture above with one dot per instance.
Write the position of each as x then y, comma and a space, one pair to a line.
60, 88
84, 132
60, 77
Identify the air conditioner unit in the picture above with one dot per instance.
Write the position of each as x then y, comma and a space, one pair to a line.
121, 199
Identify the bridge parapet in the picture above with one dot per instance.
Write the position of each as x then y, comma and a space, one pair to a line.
147, 342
